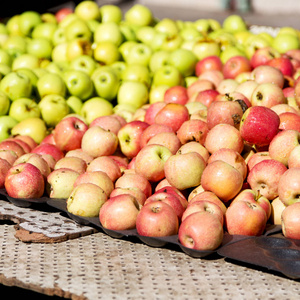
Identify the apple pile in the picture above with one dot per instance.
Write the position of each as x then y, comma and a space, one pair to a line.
165, 126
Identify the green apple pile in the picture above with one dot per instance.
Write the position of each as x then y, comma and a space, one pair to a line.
146, 112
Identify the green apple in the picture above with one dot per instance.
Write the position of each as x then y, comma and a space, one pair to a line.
59, 52
13, 26
59, 36
172, 43
134, 93
229, 52
92, 24
75, 104
87, 10
167, 26
15, 45
33, 78
96, 107
106, 53
184, 60
16, 85
137, 72
24, 108
40, 48
53, 108
44, 30
234, 23
78, 29
203, 49
28, 21
159, 39
139, 54
285, 41
84, 63
33, 127
111, 13
139, 15
119, 67
51, 83
106, 83
125, 48
57, 67
128, 32
78, 84
4, 104
48, 17
202, 25
68, 19
157, 93
145, 34
78, 47
5, 58
26, 60
190, 34
253, 43
108, 32
158, 59
4, 70
126, 111
167, 75
7, 123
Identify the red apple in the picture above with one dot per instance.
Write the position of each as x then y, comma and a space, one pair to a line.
8, 155
246, 88
62, 13
171, 190
206, 97
198, 86
282, 63
23, 144
80, 154
157, 219
51, 149
137, 193
194, 146
290, 220
236, 65
4, 168
257, 158
268, 74
262, 55
176, 94
152, 111
12, 145
212, 62
109, 122
277, 208
48, 139
289, 120
167, 139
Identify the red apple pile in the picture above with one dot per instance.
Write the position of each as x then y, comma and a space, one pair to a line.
189, 136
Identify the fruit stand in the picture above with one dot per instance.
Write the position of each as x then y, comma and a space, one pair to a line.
148, 157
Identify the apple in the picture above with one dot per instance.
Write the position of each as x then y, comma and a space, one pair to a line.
245, 218
150, 161
23, 144
214, 76
107, 165
157, 219
6, 125
110, 13
62, 13
87, 10
81, 154
138, 53
12, 145
97, 141
134, 180
47, 148
24, 181
246, 88
139, 15
294, 158
288, 186
290, 221
119, 212
167, 75
285, 42
60, 183
184, 170
27, 139
74, 163
212, 62
96, 107
69, 132
259, 125
224, 136
86, 200
193, 146
257, 157
227, 86
9, 155
289, 120
277, 207
282, 63
267, 74
135, 192
284, 107
235, 65
171, 190
262, 55
198, 86
152, 111
5, 165
110, 123
266, 182
201, 231
50, 83
176, 94
221, 178
206, 97
4, 104
129, 137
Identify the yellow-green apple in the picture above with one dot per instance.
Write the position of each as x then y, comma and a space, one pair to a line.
4, 104
47, 148
267, 94
40, 47
198, 86
84, 63
245, 218
110, 123
74, 163
23, 108
173, 115
75, 48
288, 186
206, 48
206, 97
106, 53
137, 72
129, 137
212, 62
232, 157
152, 111
68, 133
138, 53
107, 165
111, 13
226, 112
167, 75
167, 139
224, 136
36, 160
235, 65
277, 207
288, 138
87, 10
201, 231
139, 15
9, 155
108, 32
289, 120
176, 94
99, 178
135, 192
81, 154
246, 88
150, 161
28, 20
227, 86
5, 165
51, 83
259, 125
193, 146
221, 178
157, 219
290, 221
256, 158
12, 145
265, 74
119, 212
184, 170
264, 177
44, 30
96, 107
171, 199
24, 181
262, 55
97, 141
86, 200
60, 183
130, 180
